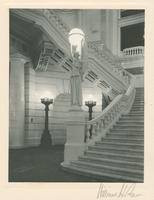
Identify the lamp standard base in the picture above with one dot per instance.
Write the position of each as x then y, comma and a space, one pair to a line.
46, 141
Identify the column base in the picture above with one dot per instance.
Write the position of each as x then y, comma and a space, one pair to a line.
72, 152
46, 141
75, 108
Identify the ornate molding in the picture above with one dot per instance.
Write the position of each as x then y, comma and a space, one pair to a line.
18, 57
130, 20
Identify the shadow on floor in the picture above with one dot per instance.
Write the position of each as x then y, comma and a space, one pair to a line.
40, 165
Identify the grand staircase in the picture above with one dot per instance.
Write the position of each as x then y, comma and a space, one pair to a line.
119, 157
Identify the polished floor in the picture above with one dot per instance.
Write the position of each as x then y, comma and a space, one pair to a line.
40, 165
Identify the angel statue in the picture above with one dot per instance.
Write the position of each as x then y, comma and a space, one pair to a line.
76, 79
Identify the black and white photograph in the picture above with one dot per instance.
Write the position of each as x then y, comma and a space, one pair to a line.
76, 95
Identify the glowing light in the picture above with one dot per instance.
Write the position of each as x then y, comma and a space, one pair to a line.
77, 40
90, 97
46, 94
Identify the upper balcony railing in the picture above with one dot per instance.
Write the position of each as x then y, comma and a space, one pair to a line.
133, 51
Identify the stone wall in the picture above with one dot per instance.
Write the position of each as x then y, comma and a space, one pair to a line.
33, 86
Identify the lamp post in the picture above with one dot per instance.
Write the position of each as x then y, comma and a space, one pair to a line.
46, 137
90, 105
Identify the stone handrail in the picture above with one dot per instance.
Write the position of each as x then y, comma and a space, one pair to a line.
133, 51
98, 127
112, 62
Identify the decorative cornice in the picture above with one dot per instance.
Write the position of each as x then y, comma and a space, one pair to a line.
130, 20
16, 56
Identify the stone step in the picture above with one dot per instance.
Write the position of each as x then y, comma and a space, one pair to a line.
100, 175
139, 99
120, 124
115, 135
133, 117
128, 128
136, 121
139, 116
130, 123
139, 94
137, 109
112, 162
120, 150
127, 131
115, 155
109, 169
138, 105
136, 113
123, 140
118, 144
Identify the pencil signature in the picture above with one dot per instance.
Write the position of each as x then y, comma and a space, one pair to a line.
124, 191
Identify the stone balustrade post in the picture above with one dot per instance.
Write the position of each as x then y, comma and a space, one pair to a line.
75, 144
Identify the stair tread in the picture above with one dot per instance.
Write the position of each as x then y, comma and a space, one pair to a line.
114, 154
129, 125
110, 167
130, 121
120, 143
119, 149
113, 160
124, 136
101, 174
115, 132
128, 129
133, 139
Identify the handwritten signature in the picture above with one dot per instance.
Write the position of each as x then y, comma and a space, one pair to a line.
125, 190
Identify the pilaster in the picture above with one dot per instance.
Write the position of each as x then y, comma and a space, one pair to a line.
17, 101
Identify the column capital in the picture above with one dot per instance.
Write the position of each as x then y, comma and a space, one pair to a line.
17, 57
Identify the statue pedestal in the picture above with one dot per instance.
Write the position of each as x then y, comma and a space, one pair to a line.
75, 145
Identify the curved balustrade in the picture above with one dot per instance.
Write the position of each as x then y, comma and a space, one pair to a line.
99, 126
134, 51
112, 61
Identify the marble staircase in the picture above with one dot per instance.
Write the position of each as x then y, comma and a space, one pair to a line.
119, 156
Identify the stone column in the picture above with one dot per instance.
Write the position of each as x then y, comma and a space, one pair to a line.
113, 31
16, 102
